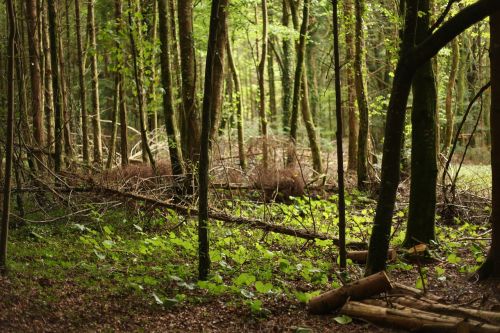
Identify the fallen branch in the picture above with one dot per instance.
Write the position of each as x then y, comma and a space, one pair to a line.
214, 215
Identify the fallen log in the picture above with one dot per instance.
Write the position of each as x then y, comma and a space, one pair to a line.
420, 294
413, 320
360, 257
480, 315
359, 290
255, 223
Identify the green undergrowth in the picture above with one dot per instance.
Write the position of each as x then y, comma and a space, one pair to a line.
154, 259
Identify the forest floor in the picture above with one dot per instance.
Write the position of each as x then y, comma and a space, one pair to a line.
117, 265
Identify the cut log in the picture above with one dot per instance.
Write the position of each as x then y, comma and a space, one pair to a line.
361, 289
360, 257
413, 320
480, 315
403, 289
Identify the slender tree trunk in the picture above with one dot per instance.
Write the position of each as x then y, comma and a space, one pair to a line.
491, 267
190, 131
168, 98
35, 72
9, 138
361, 97
121, 93
217, 22
138, 76
340, 154
68, 149
81, 81
420, 227
262, 87
272, 87
239, 107
96, 114
299, 70
450, 114
351, 89
286, 77
54, 58
48, 92
310, 128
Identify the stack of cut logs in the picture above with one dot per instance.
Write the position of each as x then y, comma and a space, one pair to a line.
376, 300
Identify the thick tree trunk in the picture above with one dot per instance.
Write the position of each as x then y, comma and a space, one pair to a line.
420, 228
362, 166
491, 267
81, 81
239, 107
190, 131
9, 138
168, 98
217, 22
96, 112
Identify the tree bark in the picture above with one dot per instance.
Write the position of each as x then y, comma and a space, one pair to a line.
54, 59
262, 88
422, 212
351, 89
81, 81
491, 267
96, 112
286, 76
168, 98
190, 131
362, 166
35, 71
217, 22
239, 107
9, 137
450, 114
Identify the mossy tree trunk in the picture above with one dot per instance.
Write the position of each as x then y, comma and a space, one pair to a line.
420, 228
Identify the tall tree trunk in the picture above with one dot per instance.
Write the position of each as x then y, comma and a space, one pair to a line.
121, 92
81, 81
351, 89
239, 107
299, 72
491, 267
48, 92
361, 97
54, 58
217, 22
9, 138
310, 128
35, 72
450, 114
420, 228
68, 149
96, 114
138, 77
272, 87
190, 131
286, 76
262, 87
168, 98
340, 155
218, 81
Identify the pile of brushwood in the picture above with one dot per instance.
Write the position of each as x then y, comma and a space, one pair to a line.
379, 301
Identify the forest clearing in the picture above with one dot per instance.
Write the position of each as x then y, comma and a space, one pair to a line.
251, 165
